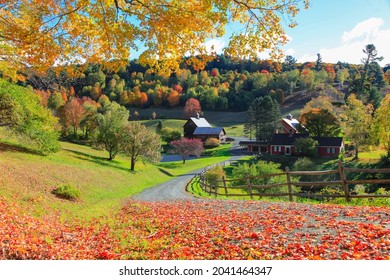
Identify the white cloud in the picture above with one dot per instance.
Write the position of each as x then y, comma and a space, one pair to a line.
353, 42
215, 45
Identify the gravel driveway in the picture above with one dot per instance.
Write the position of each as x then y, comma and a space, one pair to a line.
175, 188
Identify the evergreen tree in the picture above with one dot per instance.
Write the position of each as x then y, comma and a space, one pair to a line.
266, 116
318, 66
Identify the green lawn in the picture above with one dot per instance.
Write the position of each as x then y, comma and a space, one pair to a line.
29, 179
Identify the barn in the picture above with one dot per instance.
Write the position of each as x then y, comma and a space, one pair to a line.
197, 127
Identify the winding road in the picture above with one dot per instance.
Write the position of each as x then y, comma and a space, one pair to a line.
175, 188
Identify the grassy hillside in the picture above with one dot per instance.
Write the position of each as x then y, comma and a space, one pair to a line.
29, 179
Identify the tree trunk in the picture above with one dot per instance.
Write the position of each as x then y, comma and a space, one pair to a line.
132, 164
184, 160
356, 152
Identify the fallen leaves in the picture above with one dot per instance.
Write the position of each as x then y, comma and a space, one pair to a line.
202, 230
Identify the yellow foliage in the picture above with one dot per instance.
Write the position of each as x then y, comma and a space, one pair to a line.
45, 33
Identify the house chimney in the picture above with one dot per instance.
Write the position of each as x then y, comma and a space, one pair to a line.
289, 116
197, 116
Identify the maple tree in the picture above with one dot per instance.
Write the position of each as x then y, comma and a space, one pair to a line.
382, 122
138, 142
73, 114
43, 33
186, 147
192, 107
356, 121
320, 122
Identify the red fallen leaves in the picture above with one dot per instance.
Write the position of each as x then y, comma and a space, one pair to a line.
203, 230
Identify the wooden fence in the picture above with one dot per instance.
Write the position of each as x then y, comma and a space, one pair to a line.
225, 187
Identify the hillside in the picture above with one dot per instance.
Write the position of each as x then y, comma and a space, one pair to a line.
29, 179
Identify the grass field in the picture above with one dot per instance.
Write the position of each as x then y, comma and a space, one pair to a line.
29, 178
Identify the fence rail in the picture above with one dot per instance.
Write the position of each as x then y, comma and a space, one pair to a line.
224, 187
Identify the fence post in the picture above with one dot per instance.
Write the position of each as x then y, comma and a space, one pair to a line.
344, 181
224, 185
290, 197
248, 180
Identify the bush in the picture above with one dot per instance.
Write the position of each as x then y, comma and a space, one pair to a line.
214, 175
211, 142
67, 192
169, 134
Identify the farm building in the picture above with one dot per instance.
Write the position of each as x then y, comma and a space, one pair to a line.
284, 144
210, 132
200, 128
290, 125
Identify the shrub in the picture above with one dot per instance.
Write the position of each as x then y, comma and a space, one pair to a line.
211, 142
214, 175
169, 134
67, 192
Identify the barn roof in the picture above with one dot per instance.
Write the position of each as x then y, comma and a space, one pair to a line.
329, 141
208, 130
201, 122
286, 139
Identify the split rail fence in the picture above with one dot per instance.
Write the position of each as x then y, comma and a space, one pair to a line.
224, 187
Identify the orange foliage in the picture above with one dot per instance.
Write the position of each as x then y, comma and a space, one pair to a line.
173, 98
209, 230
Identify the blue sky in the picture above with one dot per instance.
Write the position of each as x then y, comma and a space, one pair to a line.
338, 30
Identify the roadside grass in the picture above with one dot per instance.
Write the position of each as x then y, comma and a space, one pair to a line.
323, 164
104, 185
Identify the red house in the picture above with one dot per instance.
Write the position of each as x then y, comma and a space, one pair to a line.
284, 144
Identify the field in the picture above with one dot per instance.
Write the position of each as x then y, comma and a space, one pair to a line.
29, 179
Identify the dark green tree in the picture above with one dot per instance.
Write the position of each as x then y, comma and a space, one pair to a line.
372, 56
318, 66
289, 63
266, 117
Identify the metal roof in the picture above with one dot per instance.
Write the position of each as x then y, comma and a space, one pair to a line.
201, 122
208, 130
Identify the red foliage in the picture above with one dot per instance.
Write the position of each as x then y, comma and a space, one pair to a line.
178, 88
214, 72
202, 230
192, 107
186, 147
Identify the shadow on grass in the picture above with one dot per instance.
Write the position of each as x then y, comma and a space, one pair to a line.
165, 172
19, 148
95, 159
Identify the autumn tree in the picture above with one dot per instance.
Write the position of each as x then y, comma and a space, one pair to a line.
89, 119
382, 122
110, 127
186, 147
138, 142
320, 122
356, 122
40, 33
73, 114
192, 108
21, 111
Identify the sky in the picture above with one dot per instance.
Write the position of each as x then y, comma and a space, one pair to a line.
338, 30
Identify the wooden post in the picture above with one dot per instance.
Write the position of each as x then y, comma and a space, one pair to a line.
344, 181
224, 185
248, 179
288, 178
